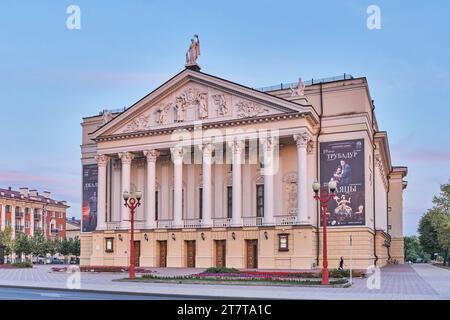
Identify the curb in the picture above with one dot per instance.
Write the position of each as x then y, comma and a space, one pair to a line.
168, 295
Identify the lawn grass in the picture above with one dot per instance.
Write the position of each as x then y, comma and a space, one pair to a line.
259, 282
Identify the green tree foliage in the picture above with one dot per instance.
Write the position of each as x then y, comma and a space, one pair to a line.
22, 245
75, 247
6, 240
413, 250
40, 245
434, 225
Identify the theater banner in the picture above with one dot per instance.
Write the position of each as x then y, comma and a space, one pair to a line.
343, 161
90, 181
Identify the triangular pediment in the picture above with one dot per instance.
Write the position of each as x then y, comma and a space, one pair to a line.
191, 97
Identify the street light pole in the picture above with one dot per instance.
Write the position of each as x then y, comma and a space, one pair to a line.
323, 200
132, 203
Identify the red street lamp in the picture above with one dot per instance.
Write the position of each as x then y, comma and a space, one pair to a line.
323, 199
132, 203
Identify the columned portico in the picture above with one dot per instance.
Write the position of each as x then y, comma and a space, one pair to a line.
177, 158
302, 140
126, 158
102, 162
151, 156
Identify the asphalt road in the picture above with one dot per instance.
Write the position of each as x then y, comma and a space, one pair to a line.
38, 294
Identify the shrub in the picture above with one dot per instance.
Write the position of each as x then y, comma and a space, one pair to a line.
221, 270
336, 273
25, 264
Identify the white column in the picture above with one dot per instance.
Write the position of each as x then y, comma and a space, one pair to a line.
151, 156
218, 191
268, 173
177, 158
302, 140
3, 221
207, 184
236, 148
102, 162
126, 158
13, 221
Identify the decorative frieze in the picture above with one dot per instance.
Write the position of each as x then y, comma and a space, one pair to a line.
247, 109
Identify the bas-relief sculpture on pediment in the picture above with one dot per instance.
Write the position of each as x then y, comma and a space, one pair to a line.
194, 103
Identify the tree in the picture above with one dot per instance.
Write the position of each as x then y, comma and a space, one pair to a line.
40, 245
434, 225
65, 247
428, 228
413, 250
6, 240
75, 247
22, 245
444, 240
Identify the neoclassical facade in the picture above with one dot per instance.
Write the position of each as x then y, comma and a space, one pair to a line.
226, 174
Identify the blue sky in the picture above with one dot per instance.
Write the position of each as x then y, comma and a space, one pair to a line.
51, 77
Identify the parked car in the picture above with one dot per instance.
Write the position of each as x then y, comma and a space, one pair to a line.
57, 261
74, 260
38, 259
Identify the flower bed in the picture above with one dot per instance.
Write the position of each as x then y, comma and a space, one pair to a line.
115, 269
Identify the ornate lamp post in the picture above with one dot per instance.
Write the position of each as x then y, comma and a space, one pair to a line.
323, 199
132, 203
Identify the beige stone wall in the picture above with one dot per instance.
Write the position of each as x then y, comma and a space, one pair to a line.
302, 252
397, 250
339, 246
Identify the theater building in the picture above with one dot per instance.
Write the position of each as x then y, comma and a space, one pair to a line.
28, 212
226, 174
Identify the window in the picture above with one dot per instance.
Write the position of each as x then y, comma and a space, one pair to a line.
156, 204
26, 210
201, 203
260, 200
229, 202
8, 208
109, 245
283, 242
27, 224
17, 210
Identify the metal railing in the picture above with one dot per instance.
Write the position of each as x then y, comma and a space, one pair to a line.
285, 220
192, 223
252, 221
283, 86
221, 222
164, 224
112, 225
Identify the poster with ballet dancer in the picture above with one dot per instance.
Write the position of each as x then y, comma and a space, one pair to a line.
343, 162
89, 209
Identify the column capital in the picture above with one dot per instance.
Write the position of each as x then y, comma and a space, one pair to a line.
177, 153
126, 157
236, 146
302, 139
267, 143
151, 155
207, 148
102, 160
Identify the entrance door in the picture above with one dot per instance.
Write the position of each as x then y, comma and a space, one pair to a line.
162, 254
221, 253
252, 254
190, 254
137, 253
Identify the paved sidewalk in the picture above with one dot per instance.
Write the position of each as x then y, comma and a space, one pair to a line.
398, 282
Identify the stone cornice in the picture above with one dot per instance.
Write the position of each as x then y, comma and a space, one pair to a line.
219, 124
